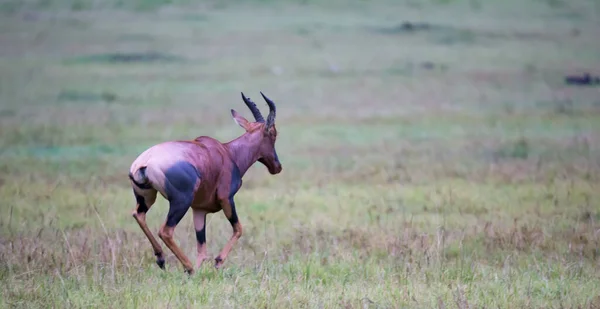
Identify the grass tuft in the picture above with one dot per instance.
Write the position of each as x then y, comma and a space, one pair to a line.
78, 96
125, 58
518, 149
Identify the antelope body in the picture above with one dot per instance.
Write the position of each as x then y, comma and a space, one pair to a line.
203, 174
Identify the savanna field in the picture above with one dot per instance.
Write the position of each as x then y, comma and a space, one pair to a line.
433, 154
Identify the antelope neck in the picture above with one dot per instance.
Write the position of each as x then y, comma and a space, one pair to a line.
244, 150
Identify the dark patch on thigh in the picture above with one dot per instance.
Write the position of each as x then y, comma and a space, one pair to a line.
180, 181
142, 207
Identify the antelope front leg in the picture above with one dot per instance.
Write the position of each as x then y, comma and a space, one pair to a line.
200, 226
228, 206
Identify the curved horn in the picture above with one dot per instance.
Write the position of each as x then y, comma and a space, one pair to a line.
272, 112
255, 112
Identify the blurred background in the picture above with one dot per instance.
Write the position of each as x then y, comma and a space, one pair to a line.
436, 153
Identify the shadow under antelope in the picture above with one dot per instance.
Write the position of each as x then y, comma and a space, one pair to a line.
203, 174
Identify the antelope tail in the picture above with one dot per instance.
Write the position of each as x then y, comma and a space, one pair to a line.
139, 178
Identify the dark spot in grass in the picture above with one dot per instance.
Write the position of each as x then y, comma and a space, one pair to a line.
575, 32
449, 35
590, 216
406, 27
409, 69
428, 65
586, 215
119, 58
518, 149
303, 31
585, 79
78, 96
440, 34
509, 109
530, 68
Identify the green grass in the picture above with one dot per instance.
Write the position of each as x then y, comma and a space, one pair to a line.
444, 166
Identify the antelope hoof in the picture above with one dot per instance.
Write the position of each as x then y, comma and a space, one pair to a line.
218, 262
189, 271
160, 261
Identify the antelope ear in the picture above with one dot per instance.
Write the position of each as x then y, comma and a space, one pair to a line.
241, 121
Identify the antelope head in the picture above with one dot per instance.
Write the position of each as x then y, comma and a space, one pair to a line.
264, 133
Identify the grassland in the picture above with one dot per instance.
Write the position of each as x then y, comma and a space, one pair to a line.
442, 163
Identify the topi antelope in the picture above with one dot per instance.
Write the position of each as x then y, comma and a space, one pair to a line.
203, 174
